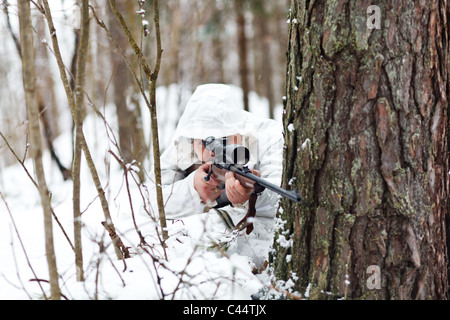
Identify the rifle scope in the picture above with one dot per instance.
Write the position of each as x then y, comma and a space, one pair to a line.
227, 154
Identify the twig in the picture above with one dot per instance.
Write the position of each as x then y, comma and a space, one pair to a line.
120, 51
148, 72
126, 169
46, 281
22, 163
21, 243
8, 23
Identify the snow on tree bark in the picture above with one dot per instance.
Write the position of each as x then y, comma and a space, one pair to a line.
369, 150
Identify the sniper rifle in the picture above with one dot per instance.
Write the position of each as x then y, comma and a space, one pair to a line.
233, 158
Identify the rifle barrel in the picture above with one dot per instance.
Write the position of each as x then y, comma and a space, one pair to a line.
293, 195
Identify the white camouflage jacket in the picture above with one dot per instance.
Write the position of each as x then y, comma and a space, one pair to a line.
213, 110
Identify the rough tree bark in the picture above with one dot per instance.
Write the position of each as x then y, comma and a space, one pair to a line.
29, 83
366, 129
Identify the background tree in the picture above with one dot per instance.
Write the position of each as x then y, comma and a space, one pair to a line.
200, 43
80, 81
367, 145
262, 42
48, 113
242, 49
131, 135
151, 76
29, 84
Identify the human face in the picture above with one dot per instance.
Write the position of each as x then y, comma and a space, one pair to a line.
205, 155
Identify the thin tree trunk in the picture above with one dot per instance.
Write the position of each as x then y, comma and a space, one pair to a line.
173, 70
242, 49
121, 81
140, 148
48, 110
79, 110
119, 247
218, 44
45, 94
367, 143
263, 71
29, 82
154, 123
73, 76
152, 76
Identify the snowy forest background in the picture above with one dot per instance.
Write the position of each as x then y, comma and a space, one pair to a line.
202, 42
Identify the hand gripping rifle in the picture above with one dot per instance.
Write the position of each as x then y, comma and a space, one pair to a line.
233, 158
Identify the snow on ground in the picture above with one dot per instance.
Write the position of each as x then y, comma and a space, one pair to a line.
204, 259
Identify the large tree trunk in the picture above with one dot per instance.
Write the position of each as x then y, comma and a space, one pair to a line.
366, 130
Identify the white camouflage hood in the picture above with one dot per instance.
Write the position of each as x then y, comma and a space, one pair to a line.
216, 110
213, 110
